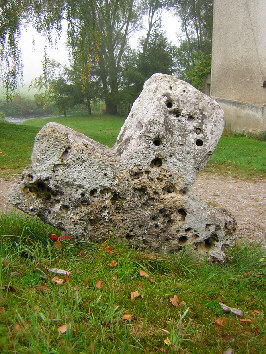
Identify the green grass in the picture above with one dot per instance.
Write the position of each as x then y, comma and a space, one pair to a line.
34, 307
236, 156
240, 157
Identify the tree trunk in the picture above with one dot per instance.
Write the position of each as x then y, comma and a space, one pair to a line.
89, 107
111, 108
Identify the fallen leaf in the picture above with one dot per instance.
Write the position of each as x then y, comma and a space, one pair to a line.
44, 288
17, 327
58, 245
236, 312
37, 308
98, 284
1, 309
91, 347
6, 263
8, 288
63, 329
174, 301
135, 294
143, 274
113, 263
67, 278
115, 278
86, 281
58, 271
257, 311
245, 320
151, 280
57, 280
160, 349
220, 321
109, 249
128, 317
256, 329
182, 303
167, 341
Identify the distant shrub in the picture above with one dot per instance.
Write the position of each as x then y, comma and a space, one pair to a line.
262, 136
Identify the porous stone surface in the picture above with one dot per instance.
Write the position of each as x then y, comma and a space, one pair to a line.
140, 189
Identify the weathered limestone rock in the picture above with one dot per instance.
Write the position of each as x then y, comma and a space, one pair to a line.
139, 189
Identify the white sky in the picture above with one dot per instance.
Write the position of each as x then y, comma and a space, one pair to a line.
33, 44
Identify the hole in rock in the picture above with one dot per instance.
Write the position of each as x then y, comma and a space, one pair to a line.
157, 162
188, 229
183, 190
169, 221
217, 228
162, 211
30, 176
199, 142
171, 88
129, 236
156, 226
169, 104
93, 192
115, 197
182, 212
182, 239
65, 207
169, 189
190, 118
209, 242
157, 142
154, 217
177, 114
198, 131
65, 153
82, 195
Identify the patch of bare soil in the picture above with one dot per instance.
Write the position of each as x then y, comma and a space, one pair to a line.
246, 200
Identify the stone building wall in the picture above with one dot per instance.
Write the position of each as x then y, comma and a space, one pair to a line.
238, 80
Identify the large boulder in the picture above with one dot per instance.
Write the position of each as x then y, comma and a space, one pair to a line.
139, 189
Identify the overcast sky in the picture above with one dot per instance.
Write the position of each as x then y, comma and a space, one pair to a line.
33, 44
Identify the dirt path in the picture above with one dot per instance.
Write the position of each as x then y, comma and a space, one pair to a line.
246, 200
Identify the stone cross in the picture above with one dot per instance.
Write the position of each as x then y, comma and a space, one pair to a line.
139, 190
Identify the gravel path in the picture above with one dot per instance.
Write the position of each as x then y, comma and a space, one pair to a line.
246, 200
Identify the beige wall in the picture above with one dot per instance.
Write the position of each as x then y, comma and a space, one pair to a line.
239, 55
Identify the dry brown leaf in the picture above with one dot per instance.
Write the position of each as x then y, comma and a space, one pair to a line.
17, 327
44, 288
109, 249
6, 263
58, 245
220, 321
62, 329
37, 308
1, 309
140, 286
58, 280
86, 281
174, 301
67, 278
98, 284
128, 317
135, 294
142, 273
162, 350
245, 320
113, 263
115, 278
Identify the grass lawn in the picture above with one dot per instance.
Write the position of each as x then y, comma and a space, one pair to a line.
116, 299
119, 300
237, 156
